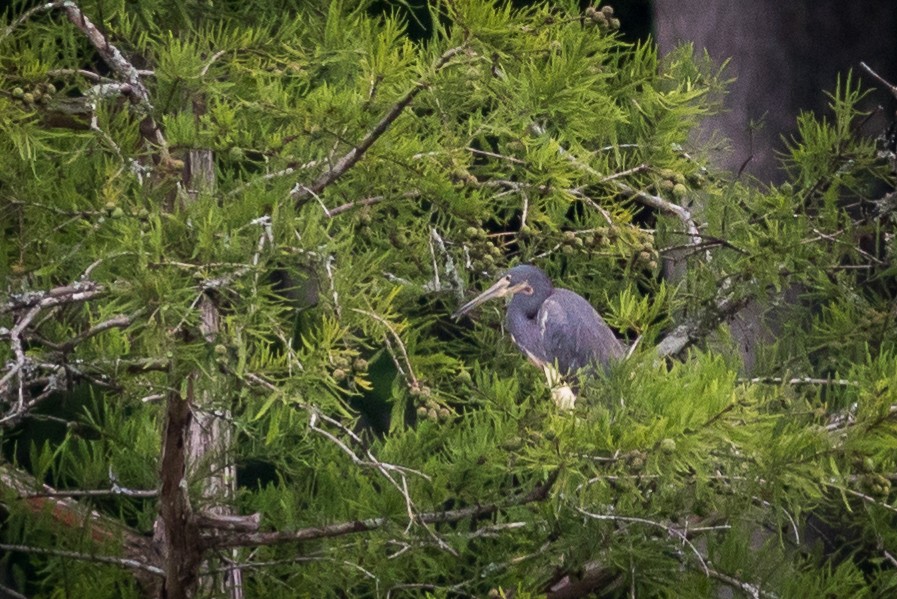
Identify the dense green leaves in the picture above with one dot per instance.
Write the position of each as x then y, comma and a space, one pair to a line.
536, 136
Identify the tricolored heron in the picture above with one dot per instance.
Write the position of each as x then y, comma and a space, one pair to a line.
558, 330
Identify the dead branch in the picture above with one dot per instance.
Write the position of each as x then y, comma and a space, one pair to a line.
112, 56
752, 590
87, 557
888, 85
30, 13
68, 294
30, 371
701, 324
69, 515
354, 203
848, 418
116, 322
43, 499
231, 522
537, 494
116, 490
412, 380
800, 380
658, 203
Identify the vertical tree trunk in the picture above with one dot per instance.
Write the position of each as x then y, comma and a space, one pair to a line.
197, 447
176, 532
209, 450
784, 55
211, 436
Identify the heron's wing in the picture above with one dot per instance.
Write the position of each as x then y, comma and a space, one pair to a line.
574, 334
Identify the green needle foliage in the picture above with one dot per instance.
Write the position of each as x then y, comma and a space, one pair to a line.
271, 217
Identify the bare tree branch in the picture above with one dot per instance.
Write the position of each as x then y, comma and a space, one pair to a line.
537, 494
658, 203
9, 593
114, 491
30, 13
800, 380
87, 557
74, 293
699, 325
888, 85
30, 371
116, 322
111, 55
670, 529
41, 498
69, 515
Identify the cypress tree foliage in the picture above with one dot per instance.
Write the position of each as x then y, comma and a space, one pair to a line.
232, 237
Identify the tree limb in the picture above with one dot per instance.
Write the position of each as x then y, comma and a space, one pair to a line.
76, 292
69, 515
699, 325
537, 494
112, 56
890, 86
100, 559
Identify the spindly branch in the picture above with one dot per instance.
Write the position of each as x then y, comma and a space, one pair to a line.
301, 193
537, 494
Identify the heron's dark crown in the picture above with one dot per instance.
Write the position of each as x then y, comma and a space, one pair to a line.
530, 274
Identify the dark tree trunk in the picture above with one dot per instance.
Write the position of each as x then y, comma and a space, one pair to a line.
784, 56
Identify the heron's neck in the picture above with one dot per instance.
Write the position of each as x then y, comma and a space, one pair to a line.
524, 327
527, 305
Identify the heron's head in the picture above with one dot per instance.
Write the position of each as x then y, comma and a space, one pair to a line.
525, 280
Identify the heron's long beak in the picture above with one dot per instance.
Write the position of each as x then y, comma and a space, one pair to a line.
502, 288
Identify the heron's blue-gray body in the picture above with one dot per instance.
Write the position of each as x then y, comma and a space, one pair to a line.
565, 332
558, 330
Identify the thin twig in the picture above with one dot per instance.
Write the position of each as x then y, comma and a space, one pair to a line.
116, 322
864, 497
353, 204
890, 86
270, 176
30, 13
751, 590
801, 380
642, 197
114, 491
102, 559
211, 61
414, 381
494, 155
8, 593
636, 169
668, 528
